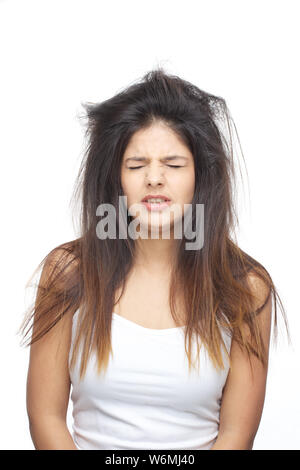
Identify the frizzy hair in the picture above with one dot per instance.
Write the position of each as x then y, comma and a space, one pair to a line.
83, 274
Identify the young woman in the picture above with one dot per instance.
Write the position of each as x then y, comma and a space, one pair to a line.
163, 342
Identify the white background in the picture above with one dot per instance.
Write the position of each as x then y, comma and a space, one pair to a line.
56, 55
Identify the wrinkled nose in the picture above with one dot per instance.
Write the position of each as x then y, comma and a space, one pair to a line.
154, 176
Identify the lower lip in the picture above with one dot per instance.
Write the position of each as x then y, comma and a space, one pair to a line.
156, 206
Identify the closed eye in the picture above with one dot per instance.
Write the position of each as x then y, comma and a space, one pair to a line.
137, 167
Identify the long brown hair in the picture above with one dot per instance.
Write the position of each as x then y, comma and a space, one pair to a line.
84, 274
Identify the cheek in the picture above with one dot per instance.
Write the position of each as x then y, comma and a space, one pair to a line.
126, 183
185, 187
129, 185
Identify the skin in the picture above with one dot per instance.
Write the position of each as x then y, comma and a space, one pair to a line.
48, 381
154, 175
244, 392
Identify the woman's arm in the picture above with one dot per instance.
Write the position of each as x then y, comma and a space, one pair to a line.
244, 392
48, 387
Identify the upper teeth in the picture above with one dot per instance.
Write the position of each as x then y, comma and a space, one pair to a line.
156, 200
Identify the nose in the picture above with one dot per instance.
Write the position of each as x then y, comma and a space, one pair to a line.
154, 176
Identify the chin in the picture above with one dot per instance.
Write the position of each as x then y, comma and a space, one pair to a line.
158, 227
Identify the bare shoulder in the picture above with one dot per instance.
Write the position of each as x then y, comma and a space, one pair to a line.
262, 305
48, 380
244, 391
60, 260
58, 275
260, 289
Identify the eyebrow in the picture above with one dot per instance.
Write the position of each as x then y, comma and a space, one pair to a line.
169, 157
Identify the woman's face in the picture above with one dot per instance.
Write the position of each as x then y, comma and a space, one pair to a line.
147, 170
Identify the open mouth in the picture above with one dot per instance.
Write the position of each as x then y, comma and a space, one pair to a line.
156, 205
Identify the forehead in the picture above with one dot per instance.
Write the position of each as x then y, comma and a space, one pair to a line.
156, 141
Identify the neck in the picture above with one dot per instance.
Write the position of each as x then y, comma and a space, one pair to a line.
155, 255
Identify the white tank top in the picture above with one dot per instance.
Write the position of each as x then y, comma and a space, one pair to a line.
147, 399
